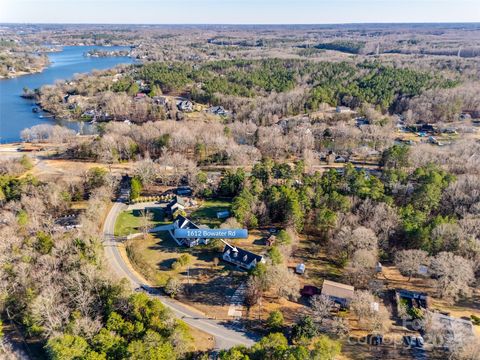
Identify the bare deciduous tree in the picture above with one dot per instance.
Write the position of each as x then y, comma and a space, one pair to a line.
321, 307
371, 315
408, 261
283, 281
454, 275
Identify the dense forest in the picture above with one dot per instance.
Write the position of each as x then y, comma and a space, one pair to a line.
54, 284
228, 82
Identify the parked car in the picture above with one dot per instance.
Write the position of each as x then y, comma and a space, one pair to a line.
309, 290
413, 341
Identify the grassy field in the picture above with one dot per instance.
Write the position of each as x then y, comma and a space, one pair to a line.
207, 212
208, 285
130, 222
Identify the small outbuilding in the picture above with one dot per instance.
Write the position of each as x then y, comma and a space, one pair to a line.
339, 293
300, 269
184, 191
223, 214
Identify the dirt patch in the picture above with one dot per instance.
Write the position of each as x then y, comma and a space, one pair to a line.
69, 169
201, 340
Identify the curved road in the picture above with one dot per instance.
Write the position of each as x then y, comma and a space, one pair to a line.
225, 336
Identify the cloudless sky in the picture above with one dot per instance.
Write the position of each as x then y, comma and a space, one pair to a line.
238, 11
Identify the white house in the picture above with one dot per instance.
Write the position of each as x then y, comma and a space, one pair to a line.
242, 258
182, 222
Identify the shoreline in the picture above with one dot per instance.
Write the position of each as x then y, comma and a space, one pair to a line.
23, 73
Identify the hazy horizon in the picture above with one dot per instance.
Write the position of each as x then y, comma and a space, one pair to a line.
237, 12
248, 24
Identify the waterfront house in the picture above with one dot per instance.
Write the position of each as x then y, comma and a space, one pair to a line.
218, 110
185, 106
90, 113
340, 159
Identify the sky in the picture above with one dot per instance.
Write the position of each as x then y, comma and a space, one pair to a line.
237, 11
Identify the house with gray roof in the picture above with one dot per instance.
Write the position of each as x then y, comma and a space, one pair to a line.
242, 258
176, 204
182, 222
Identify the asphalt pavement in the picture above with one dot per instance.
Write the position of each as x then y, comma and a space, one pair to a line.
226, 334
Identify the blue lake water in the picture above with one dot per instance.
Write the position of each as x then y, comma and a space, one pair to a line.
16, 113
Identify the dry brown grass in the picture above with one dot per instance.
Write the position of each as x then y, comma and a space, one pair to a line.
393, 279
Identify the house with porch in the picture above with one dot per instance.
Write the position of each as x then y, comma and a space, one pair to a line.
240, 257
182, 222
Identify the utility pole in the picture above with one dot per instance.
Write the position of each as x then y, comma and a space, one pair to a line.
259, 308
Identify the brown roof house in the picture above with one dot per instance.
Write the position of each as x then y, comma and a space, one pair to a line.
337, 292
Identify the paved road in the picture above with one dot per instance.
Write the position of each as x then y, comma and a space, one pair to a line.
225, 336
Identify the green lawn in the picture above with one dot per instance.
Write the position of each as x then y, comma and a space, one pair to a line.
207, 213
130, 222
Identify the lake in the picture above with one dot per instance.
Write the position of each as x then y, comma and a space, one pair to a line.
16, 112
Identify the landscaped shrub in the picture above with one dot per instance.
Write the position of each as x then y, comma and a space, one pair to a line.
275, 320
185, 259
176, 265
173, 287
182, 261
136, 188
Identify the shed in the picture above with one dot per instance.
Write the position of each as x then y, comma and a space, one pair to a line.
337, 292
423, 270
223, 214
300, 269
